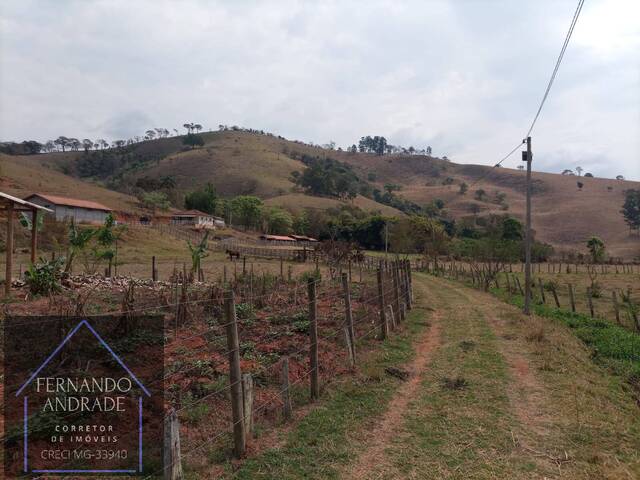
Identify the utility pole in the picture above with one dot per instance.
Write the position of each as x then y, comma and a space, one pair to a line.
386, 239
527, 157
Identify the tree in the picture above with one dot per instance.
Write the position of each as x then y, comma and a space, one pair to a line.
463, 188
198, 252
619, 177
596, 249
62, 142
480, 194
156, 201
87, 144
197, 127
78, 241
203, 200
301, 224
579, 170
106, 236
193, 140
429, 151
590, 175
566, 171
631, 209
580, 185
512, 229
278, 221
247, 210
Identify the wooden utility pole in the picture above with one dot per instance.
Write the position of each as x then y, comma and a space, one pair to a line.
527, 240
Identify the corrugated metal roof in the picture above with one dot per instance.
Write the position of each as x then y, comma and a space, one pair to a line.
190, 213
22, 202
71, 202
283, 238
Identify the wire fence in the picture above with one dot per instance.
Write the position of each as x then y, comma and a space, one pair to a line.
607, 292
238, 353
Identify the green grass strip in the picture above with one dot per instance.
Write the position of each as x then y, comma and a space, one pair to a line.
319, 445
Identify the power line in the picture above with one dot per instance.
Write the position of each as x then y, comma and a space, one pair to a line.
574, 20
557, 67
497, 164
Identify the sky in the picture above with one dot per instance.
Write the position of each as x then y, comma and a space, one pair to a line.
462, 76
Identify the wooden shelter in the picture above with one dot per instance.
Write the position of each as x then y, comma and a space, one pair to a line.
10, 205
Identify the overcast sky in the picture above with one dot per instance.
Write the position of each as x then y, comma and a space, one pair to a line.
464, 77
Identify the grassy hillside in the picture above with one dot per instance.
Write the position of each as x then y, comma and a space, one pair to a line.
298, 201
247, 163
21, 176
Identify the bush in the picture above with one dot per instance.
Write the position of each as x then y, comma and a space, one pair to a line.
43, 277
315, 274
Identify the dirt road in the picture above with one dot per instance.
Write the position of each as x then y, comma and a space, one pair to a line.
499, 395
491, 394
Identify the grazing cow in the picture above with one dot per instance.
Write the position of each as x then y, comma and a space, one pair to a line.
233, 253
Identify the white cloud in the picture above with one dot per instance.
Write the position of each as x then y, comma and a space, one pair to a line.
463, 77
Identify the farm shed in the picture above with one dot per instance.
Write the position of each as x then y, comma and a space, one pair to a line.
71, 208
277, 238
11, 205
192, 218
303, 238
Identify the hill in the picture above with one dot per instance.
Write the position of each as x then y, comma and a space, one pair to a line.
21, 176
238, 162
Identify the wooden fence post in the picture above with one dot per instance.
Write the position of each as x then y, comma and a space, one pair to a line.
542, 295
348, 316
313, 339
286, 396
616, 307
154, 272
396, 292
519, 286
381, 306
391, 319
590, 301
572, 299
235, 375
247, 403
555, 296
407, 284
172, 460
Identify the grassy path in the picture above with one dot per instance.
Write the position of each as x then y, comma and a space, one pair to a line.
491, 395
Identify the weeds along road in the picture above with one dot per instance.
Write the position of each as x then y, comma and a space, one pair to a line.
491, 394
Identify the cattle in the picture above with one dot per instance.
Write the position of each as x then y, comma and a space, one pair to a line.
233, 253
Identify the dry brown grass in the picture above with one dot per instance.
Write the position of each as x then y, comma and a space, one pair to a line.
21, 176
244, 163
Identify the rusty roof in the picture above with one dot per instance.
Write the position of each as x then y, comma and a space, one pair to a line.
190, 213
284, 238
71, 202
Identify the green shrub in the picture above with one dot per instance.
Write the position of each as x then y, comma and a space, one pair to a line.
314, 274
43, 277
301, 323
